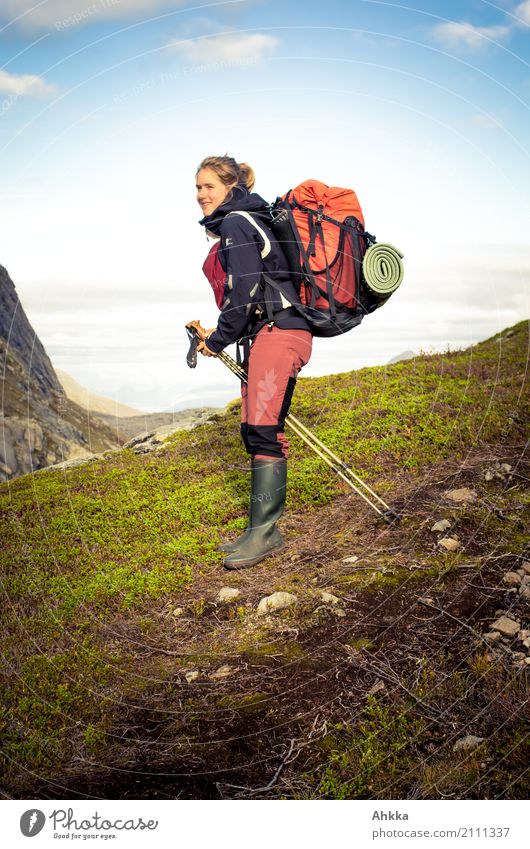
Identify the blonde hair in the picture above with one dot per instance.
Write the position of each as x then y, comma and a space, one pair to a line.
230, 172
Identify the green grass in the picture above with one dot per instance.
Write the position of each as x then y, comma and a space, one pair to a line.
126, 535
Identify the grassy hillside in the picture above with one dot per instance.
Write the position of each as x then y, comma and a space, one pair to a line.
110, 576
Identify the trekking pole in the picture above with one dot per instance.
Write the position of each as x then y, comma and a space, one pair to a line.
340, 468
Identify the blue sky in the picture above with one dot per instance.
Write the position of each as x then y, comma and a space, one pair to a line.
107, 106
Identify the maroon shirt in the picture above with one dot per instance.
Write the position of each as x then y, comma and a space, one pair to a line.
215, 273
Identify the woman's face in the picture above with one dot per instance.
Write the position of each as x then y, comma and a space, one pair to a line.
211, 192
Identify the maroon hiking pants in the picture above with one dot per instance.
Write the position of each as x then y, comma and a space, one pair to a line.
276, 357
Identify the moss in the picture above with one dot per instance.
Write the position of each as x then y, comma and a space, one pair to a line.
361, 643
292, 651
248, 705
285, 652
53, 702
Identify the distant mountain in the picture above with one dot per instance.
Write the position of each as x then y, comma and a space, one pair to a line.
40, 425
181, 420
89, 401
405, 355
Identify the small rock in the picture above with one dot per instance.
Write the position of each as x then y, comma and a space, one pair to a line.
442, 525
492, 636
227, 594
526, 566
461, 496
526, 580
276, 601
191, 676
178, 611
512, 579
426, 600
523, 635
506, 626
338, 611
222, 672
329, 598
524, 592
527, 661
526, 643
499, 612
488, 476
467, 744
519, 655
352, 559
521, 572
449, 543
506, 467
377, 687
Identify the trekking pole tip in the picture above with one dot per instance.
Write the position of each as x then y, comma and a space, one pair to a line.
390, 517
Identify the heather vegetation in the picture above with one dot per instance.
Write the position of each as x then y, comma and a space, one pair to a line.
110, 577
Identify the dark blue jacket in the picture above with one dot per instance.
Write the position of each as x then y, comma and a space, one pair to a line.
248, 250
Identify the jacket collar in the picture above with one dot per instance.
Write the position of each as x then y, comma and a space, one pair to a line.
241, 199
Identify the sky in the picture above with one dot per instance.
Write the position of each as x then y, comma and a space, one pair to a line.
108, 106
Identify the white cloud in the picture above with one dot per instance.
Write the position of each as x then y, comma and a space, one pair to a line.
454, 34
62, 14
226, 47
522, 11
486, 122
24, 85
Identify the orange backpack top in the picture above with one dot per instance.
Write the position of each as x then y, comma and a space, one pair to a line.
334, 202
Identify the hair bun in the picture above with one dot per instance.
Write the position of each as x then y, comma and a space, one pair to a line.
248, 175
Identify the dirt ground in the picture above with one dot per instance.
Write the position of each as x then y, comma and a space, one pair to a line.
364, 698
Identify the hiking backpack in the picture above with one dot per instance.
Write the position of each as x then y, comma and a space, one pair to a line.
321, 231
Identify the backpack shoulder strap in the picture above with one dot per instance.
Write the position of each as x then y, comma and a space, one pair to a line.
265, 251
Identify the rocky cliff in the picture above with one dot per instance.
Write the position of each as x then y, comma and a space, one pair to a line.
40, 426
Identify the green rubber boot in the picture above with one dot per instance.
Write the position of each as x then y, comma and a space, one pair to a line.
269, 481
229, 547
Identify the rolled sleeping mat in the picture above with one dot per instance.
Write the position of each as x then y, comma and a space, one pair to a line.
383, 269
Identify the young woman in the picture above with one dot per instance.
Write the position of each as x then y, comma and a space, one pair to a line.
255, 313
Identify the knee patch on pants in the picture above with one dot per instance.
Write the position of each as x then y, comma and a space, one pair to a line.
266, 439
